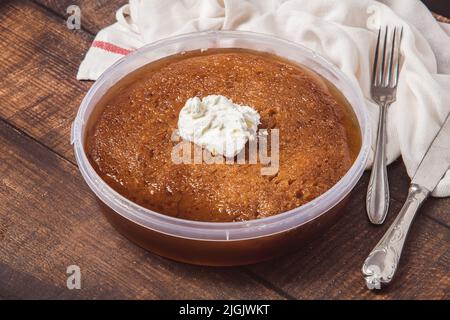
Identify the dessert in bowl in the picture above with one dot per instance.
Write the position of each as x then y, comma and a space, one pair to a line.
221, 213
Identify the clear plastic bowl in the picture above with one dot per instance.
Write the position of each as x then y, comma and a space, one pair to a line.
231, 243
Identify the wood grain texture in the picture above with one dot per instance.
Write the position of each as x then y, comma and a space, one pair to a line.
95, 15
441, 18
49, 220
39, 92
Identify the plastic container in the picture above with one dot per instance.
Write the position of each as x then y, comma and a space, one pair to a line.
232, 243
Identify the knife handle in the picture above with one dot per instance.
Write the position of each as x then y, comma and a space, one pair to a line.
381, 264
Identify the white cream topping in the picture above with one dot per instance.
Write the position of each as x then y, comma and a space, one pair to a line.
218, 124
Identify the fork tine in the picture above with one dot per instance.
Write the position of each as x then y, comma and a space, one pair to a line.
375, 60
383, 63
389, 78
397, 65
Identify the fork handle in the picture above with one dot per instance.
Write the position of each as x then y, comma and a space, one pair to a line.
381, 264
377, 199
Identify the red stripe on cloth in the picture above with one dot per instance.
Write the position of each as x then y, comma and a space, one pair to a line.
107, 46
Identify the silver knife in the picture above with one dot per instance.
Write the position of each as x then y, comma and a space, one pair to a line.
381, 264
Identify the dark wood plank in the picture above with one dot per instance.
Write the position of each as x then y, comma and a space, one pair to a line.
330, 266
95, 15
40, 56
50, 220
439, 6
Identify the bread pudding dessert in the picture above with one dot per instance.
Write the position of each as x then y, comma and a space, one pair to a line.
130, 139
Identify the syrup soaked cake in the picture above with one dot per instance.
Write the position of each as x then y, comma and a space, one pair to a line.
130, 140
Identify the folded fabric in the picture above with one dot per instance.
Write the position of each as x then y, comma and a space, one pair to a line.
343, 31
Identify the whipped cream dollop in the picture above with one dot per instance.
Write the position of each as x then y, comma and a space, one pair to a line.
218, 124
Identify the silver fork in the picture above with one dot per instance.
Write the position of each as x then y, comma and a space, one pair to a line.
386, 69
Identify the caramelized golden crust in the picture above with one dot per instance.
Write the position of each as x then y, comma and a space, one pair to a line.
130, 145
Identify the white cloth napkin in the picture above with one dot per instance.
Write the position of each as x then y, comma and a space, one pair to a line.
343, 31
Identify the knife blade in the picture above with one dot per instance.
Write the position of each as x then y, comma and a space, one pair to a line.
436, 160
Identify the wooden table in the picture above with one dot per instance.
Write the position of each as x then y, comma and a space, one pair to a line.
49, 219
